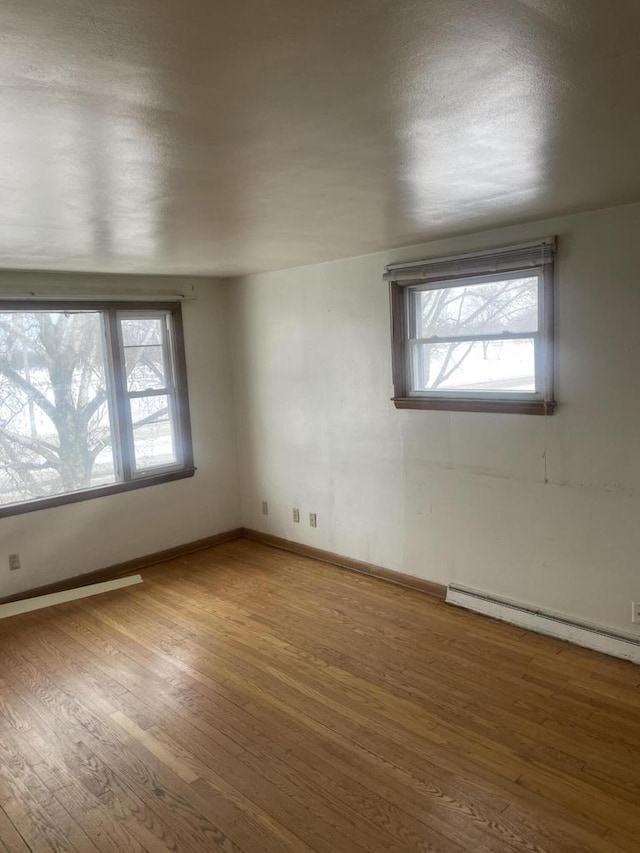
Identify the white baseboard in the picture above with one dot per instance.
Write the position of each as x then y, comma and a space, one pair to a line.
544, 622
13, 608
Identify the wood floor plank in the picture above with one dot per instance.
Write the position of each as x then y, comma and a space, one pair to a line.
10, 839
248, 700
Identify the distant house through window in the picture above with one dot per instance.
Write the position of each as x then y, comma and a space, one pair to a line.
93, 399
475, 332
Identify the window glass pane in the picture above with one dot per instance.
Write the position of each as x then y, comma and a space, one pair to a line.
142, 331
478, 309
145, 368
478, 367
153, 434
55, 430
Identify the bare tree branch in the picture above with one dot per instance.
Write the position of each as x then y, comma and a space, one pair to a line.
37, 396
153, 418
39, 446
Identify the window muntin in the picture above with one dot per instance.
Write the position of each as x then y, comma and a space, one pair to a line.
92, 400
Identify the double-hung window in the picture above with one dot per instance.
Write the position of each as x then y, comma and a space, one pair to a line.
475, 332
93, 400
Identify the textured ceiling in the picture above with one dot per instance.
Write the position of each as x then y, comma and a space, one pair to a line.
224, 137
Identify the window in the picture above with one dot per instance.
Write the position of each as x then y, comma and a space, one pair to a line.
474, 333
93, 400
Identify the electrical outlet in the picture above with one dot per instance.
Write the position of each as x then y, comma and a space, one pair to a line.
265, 508
296, 515
14, 562
313, 519
635, 612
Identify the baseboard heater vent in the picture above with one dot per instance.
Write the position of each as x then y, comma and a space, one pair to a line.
25, 605
543, 622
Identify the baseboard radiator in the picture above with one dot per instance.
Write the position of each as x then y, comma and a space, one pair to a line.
543, 622
26, 605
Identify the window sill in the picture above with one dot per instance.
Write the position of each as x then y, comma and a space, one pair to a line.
512, 407
99, 492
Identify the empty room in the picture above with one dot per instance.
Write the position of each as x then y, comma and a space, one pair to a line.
319, 426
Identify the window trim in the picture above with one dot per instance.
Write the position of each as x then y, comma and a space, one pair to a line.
125, 462
540, 402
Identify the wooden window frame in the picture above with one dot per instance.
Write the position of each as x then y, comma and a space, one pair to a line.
540, 402
118, 400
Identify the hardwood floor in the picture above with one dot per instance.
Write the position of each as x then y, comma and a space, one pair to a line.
246, 699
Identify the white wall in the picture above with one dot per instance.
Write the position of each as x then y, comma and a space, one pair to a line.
59, 543
452, 496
